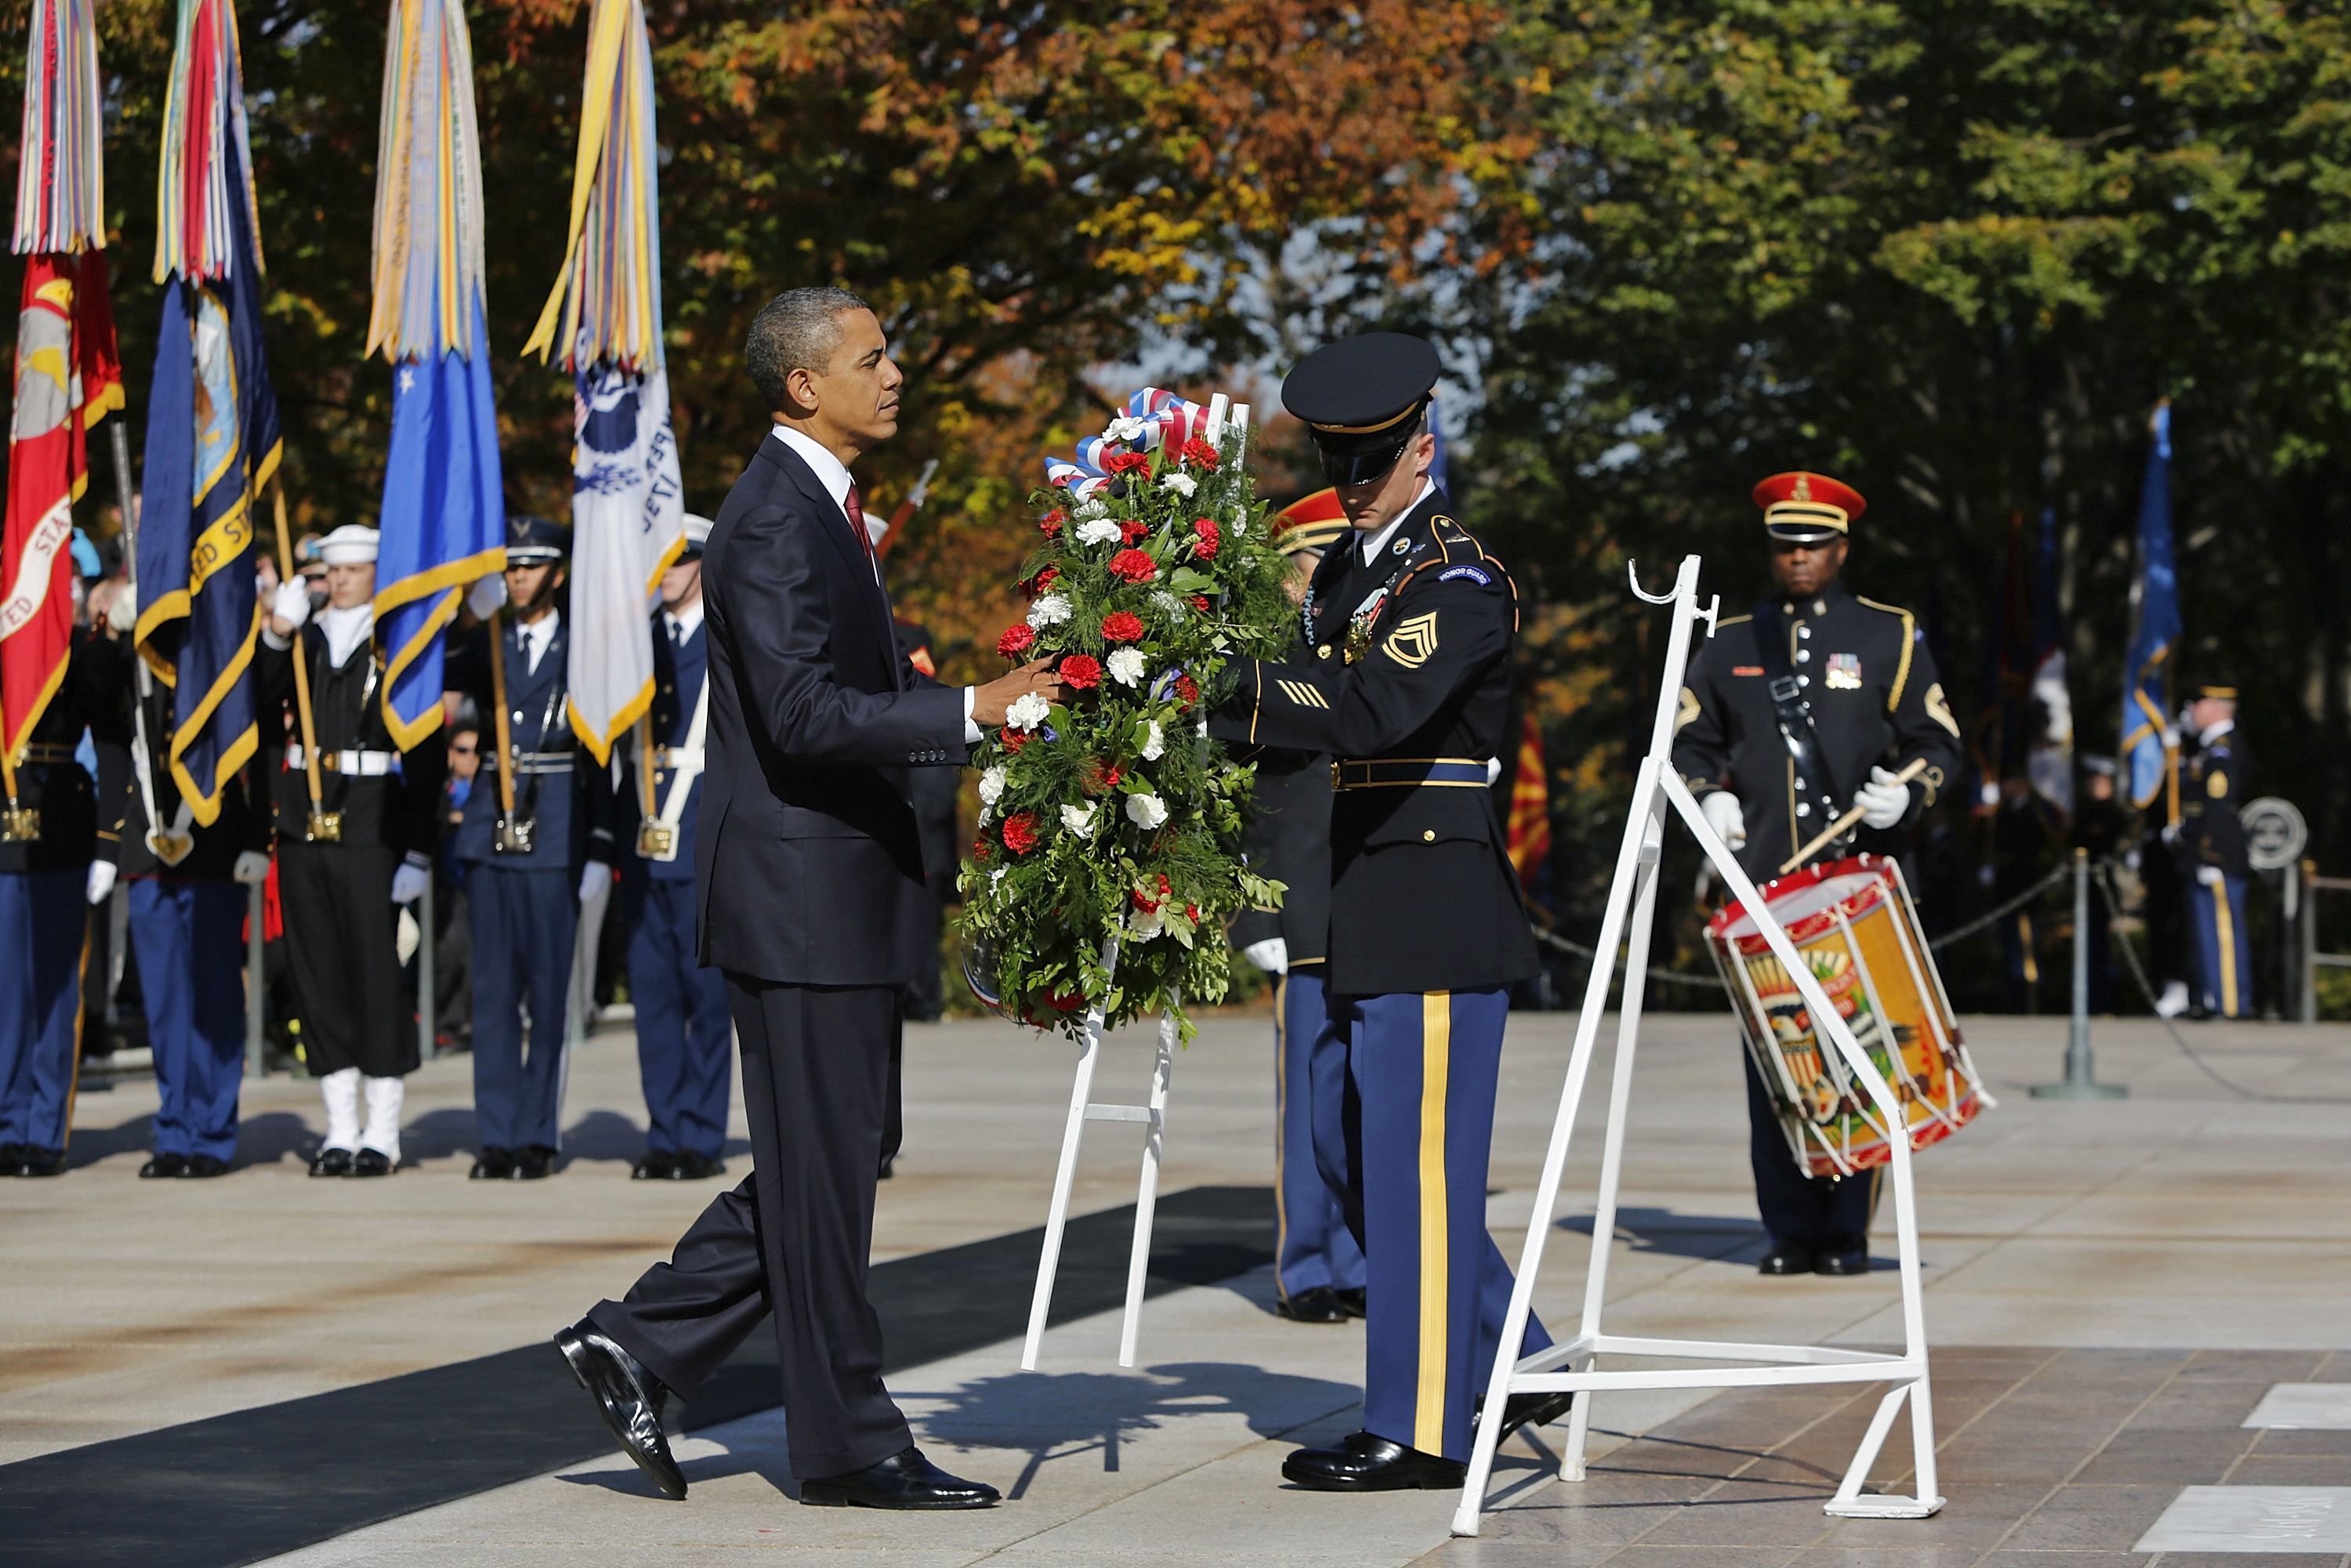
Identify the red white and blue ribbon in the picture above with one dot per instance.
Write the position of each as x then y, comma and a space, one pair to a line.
1154, 420
60, 181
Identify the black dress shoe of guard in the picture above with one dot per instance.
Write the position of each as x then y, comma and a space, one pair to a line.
372, 1163
204, 1167
905, 1480
12, 1159
1318, 1305
695, 1168
42, 1162
653, 1165
1842, 1254
1364, 1463
1787, 1258
1525, 1410
1356, 1302
533, 1162
164, 1166
630, 1398
492, 1165
331, 1162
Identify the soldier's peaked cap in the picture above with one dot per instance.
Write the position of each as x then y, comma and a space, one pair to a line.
1361, 397
1808, 509
697, 535
530, 540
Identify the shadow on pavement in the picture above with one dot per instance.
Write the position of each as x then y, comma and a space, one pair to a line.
1662, 1231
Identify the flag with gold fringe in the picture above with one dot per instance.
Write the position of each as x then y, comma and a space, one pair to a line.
604, 323
213, 440
1530, 820
68, 375
443, 518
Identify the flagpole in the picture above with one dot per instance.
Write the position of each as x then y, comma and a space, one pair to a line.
907, 508
302, 667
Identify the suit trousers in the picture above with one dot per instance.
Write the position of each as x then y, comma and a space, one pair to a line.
524, 925
43, 935
1794, 1206
1314, 1248
684, 1057
793, 1240
342, 942
188, 937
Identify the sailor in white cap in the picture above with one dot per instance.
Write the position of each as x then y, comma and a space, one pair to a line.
356, 824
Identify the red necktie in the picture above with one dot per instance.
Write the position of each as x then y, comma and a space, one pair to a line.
857, 524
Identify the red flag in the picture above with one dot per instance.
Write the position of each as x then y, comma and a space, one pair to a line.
68, 377
1530, 825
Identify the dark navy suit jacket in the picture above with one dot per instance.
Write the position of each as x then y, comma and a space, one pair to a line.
808, 847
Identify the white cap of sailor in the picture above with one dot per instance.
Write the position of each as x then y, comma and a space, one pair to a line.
697, 534
353, 544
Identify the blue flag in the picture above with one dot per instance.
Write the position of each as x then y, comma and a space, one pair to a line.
212, 444
443, 522
2146, 706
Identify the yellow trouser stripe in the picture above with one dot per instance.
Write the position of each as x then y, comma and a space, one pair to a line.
1280, 1130
2025, 939
1435, 1055
2224, 930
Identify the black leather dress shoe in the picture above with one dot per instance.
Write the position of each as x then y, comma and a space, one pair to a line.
1318, 1305
534, 1162
331, 1162
695, 1168
1787, 1258
164, 1166
204, 1167
653, 1165
372, 1163
630, 1398
42, 1162
1356, 1302
492, 1165
905, 1480
1842, 1254
1364, 1463
12, 1158
1525, 1410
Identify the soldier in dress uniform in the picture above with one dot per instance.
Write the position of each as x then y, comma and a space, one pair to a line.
536, 841
56, 856
1318, 1275
2212, 855
1410, 625
348, 859
1810, 705
684, 1039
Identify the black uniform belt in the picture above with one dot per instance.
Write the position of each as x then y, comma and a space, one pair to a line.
1407, 772
46, 754
534, 761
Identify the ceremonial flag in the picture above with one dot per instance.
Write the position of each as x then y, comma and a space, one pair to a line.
69, 376
2149, 744
1530, 823
443, 518
213, 441
628, 507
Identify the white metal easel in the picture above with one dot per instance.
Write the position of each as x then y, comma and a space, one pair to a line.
1571, 1365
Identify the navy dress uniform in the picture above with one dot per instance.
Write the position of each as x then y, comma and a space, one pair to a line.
1406, 685
2215, 870
684, 1039
1319, 1269
1858, 693
50, 839
523, 867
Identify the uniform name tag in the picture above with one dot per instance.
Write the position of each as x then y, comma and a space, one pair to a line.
1746, 669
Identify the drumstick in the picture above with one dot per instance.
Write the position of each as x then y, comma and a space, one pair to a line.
1844, 824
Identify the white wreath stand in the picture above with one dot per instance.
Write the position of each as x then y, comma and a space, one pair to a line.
1153, 1117
1572, 1364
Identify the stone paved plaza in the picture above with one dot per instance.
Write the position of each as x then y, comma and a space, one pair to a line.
355, 1374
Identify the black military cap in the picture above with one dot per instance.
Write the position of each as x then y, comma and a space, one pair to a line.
1362, 397
531, 541
2217, 689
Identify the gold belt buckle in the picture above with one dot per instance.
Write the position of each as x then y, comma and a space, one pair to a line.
656, 839
169, 847
515, 835
20, 824
324, 828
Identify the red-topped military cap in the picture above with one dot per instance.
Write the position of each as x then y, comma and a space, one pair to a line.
1309, 523
1808, 509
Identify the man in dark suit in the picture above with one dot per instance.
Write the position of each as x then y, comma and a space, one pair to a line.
808, 849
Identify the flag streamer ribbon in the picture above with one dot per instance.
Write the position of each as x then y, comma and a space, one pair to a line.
62, 179
428, 265
207, 162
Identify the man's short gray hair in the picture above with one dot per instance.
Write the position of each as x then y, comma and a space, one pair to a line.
797, 330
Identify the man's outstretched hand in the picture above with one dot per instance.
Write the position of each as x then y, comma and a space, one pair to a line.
991, 702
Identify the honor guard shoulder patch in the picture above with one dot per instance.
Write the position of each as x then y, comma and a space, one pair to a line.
1474, 574
1302, 693
1411, 643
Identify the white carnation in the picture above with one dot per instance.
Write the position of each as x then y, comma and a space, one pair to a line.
1080, 819
1050, 611
996, 877
1091, 506
1238, 527
1124, 428
1125, 667
1100, 531
1027, 711
991, 785
1143, 925
1167, 604
1182, 484
1146, 811
1154, 748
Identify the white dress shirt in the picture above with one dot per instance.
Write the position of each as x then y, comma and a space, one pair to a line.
536, 637
683, 623
1379, 541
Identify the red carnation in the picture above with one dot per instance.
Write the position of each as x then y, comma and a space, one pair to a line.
1012, 740
1132, 565
1128, 462
1187, 691
1020, 833
1132, 529
1192, 913
1122, 626
1083, 670
1017, 639
1209, 537
1045, 578
1200, 602
1145, 902
1051, 526
1198, 452
981, 848
1052, 519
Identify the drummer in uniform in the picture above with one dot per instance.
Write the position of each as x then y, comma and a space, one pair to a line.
1405, 680
1812, 704
536, 843
2213, 855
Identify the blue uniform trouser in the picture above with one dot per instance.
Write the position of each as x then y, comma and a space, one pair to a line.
1314, 1248
43, 934
1797, 1207
525, 922
1419, 1125
188, 937
2224, 949
684, 1039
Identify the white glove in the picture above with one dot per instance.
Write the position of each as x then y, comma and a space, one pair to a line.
1272, 955
485, 596
1725, 816
595, 882
2210, 875
291, 603
409, 883
2171, 833
1493, 770
123, 612
252, 866
100, 883
1885, 800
